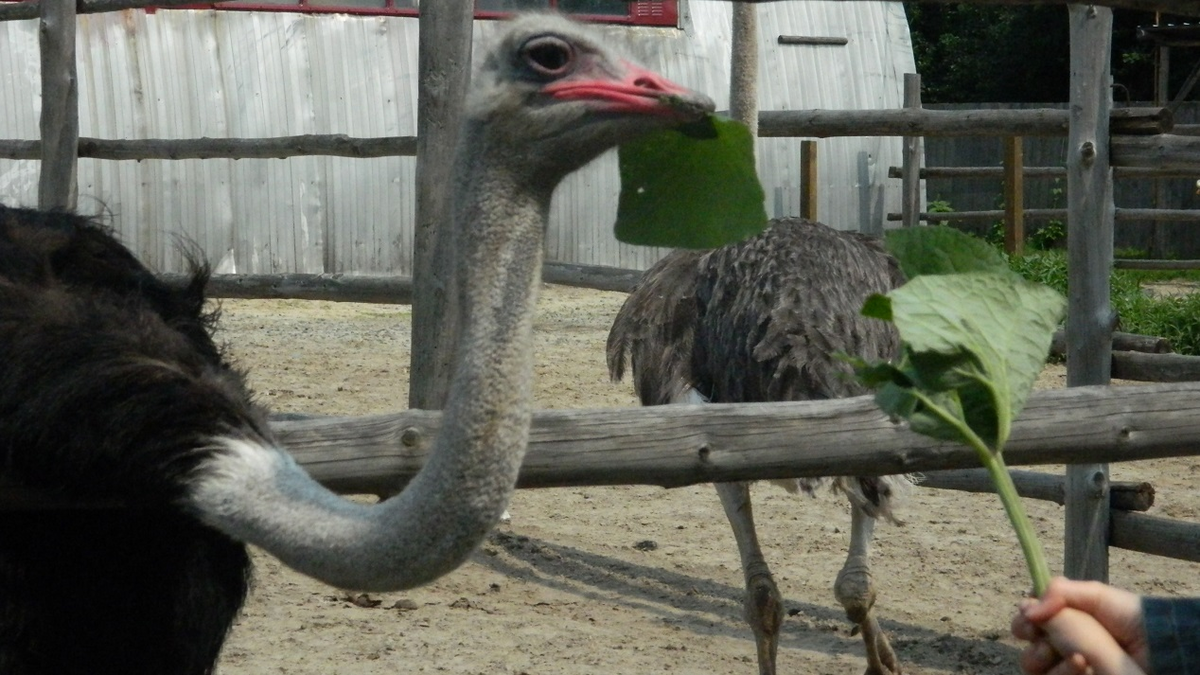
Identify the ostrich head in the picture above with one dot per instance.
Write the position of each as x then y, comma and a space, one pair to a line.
551, 97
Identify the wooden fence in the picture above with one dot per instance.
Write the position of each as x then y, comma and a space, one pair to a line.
674, 446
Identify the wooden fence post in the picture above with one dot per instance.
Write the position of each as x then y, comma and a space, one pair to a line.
57, 179
1089, 258
444, 67
808, 180
743, 66
1014, 195
912, 146
1158, 237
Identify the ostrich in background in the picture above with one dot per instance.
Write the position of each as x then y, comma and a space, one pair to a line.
112, 391
763, 320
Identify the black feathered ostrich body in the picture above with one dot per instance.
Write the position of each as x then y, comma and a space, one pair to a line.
114, 398
764, 320
110, 387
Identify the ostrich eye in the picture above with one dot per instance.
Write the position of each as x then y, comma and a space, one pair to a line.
548, 55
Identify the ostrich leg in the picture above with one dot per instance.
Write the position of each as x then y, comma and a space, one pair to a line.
763, 604
855, 589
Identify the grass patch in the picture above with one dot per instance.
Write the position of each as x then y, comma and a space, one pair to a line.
1175, 318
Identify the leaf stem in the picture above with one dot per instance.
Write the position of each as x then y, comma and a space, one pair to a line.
1035, 555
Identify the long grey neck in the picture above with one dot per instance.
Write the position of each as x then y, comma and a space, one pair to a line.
259, 495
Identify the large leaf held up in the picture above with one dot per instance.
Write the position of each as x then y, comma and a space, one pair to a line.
942, 250
974, 344
686, 189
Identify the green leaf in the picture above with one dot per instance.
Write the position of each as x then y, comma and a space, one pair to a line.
984, 336
943, 250
878, 306
690, 189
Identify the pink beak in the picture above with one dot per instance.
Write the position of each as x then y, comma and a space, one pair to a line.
637, 91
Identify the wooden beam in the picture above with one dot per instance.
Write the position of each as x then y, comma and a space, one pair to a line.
809, 188
1121, 342
912, 122
1090, 318
394, 290
1156, 536
911, 151
997, 172
682, 445
679, 445
444, 66
1127, 496
1174, 215
280, 147
743, 66
1014, 195
59, 123
1141, 121
1135, 264
1144, 367
1173, 152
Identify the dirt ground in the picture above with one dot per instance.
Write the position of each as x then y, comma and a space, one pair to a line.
634, 580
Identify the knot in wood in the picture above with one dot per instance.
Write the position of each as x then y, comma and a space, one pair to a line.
1087, 152
703, 453
410, 437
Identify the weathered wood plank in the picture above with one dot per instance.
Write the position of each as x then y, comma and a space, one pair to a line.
1137, 264
1124, 342
333, 145
1124, 495
59, 121
673, 446
912, 151
1090, 318
682, 445
1155, 367
997, 172
1172, 215
809, 186
1014, 195
1156, 536
444, 66
1165, 152
386, 290
912, 122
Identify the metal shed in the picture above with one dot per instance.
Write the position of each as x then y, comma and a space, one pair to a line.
214, 73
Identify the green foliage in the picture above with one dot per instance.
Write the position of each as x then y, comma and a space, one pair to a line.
942, 250
939, 206
1175, 318
975, 336
974, 344
1052, 235
974, 53
690, 188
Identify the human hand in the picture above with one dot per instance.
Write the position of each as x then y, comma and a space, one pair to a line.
1077, 625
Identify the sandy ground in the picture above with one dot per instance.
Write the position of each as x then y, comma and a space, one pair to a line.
633, 580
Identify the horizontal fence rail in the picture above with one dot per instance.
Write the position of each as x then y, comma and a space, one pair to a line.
1166, 215
393, 290
926, 122
673, 446
280, 147
997, 172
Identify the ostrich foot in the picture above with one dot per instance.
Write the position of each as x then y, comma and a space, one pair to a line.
764, 613
855, 590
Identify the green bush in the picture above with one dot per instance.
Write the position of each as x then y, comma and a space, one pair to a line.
1175, 318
